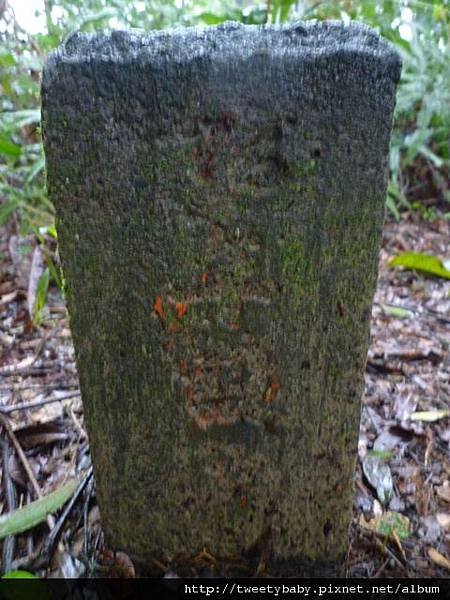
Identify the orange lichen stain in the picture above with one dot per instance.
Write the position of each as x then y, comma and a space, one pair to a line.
167, 347
218, 472
272, 390
204, 558
198, 372
183, 367
188, 391
174, 327
210, 418
341, 310
158, 307
181, 309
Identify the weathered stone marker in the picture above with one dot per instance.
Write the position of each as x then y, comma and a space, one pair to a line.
220, 198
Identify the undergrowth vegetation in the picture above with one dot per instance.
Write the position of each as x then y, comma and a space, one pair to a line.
420, 154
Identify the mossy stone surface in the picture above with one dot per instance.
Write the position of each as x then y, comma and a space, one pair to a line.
220, 198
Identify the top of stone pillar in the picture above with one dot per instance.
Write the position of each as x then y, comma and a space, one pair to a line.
310, 39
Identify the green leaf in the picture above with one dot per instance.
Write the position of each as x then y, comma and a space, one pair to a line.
105, 13
390, 203
35, 169
47, 230
6, 209
36, 512
212, 19
8, 148
51, 230
421, 262
281, 10
19, 575
7, 60
397, 311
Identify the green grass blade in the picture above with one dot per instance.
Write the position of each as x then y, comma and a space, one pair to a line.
36, 512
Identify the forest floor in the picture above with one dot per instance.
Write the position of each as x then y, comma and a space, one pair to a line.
401, 524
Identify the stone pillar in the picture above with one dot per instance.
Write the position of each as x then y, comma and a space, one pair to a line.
220, 197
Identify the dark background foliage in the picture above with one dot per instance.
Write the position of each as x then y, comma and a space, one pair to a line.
420, 154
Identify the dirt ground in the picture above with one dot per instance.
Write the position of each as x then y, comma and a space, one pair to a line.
401, 524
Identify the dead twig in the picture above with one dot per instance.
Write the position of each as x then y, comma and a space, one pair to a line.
10, 493
78, 426
427, 312
21, 454
382, 568
89, 493
384, 548
29, 372
46, 551
6, 410
14, 370
42, 556
26, 465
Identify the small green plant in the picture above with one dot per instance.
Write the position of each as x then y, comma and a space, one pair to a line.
393, 524
420, 146
19, 575
41, 297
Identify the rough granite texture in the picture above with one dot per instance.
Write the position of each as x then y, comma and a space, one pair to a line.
220, 197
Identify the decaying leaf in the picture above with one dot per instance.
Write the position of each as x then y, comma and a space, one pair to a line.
438, 558
42, 433
426, 263
404, 405
390, 438
21, 253
379, 476
23, 364
36, 272
444, 520
430, 415
443, 492
117, 565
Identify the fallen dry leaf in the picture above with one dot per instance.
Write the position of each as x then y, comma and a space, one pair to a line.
443, 492
21, 253
378, 474
439, 558
443, 519
429, 415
